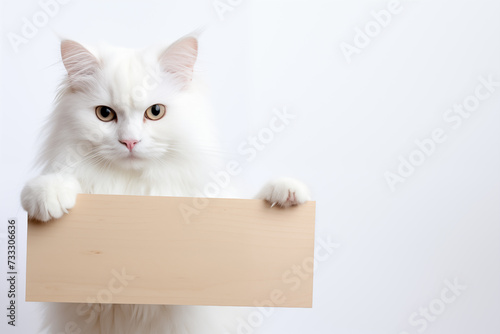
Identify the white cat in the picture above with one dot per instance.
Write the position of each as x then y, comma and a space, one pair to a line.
134, 123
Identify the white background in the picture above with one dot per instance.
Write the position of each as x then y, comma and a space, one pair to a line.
353, 121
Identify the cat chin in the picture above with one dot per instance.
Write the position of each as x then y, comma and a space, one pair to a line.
133, 163
126, 161
130, 162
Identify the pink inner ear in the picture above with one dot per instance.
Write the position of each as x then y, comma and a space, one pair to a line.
77, 60
180, 57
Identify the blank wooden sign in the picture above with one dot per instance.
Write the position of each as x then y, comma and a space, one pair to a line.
173, 250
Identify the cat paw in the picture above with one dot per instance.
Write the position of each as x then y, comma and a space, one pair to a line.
49, 196
285, 192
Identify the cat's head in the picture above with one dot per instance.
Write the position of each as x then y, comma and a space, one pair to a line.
132, 109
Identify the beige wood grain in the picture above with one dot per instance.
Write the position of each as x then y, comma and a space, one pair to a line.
143, 250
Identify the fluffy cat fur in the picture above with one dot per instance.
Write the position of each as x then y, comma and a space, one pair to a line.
171, 157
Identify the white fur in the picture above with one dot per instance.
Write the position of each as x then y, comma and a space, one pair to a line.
83, 154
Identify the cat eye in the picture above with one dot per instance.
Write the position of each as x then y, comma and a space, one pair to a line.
155, 112
105, 114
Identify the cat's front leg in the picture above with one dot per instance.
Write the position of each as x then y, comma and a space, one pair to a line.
285, 192
50, 196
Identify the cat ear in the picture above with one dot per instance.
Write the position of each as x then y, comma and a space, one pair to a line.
179, 59
79, 62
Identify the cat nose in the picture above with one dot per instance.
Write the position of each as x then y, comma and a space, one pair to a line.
129, 143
